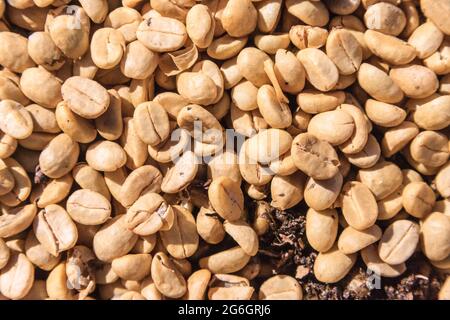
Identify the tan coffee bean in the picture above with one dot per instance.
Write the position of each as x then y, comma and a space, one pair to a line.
168, 280
247, 123
133, 146
244, 235
88, 207
382, 179
52, 192
145, 179
276, 113
312, 101
132, 266
378, 84
227, 261
149, 214
333, 265
386, 18
138, 61
433, 10
271, 43
239, 18
88, 178
97, 10
321, 228
16, 220
268, 145
415, 81
438, 62
320, 70
367, 157
397, 138
418, 199
4, 254
359, 205
244, 95
9, 87
197, 284
181, 174
15, 121
430, 113
426, 39
268, 14
226, 198
56, 284
384, 114
394, 50
209, 227
105, 156
342, 7
316, 158
226, 47
321, 194
181, 241
344, 50
304, 36
162, 34
225, 164
200, 25
17, 277
44, 52
69, 28
44, 120
435, 240
352, 240
107, 47
399, 241
442, 181
280, 287
78, 128
55, 229
85, 97
229, 287
38, 255
149, 290
7, 181
335, 127
390, 206
289, 71
430, 147
14, 53
250, 62
171, 149
109, 125
287, 191
313, 13
59, 156
373, 262
152, 123
126, 20
114, 239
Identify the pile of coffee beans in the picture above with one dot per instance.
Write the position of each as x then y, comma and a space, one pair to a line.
158, 149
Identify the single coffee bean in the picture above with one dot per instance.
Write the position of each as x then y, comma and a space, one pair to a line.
132, 266
435, 240
399, 241
315, 157
287, 191
152, 123
4, 254
15, 121
209, 227
168, 280
418, 199
17, 277
373, 262
55, 230
321, 228
280, 287
333, 265
359, 205
162, 34
180, 174
321, 194
352, 240
430, 147
226, 198
335, 127
105, 156
229, 287
197, 285
382, 179
38, 255
88, 207
227, 261
244, 235
320, 69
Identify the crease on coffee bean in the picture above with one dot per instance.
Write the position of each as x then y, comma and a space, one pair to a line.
405, 234
51, 229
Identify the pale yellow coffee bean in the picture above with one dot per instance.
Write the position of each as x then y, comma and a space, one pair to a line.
227, 261
181, 174
269, 12
59, 156
373, 262
397, 138
430, 113
226, 198
107, 47
359, 205
15, 120
16, 220
321, 194
435, 239
197, 284
229, 287
78, 128
126, 20
430, 147
105, 156
226, 47
344, 50
390, 206
335, 127
426, 39
333, 265
200, 25
152, 123
209, 227
132, 266
415, 81
17, 277
276, 113
313, 13
289, 71
313, 101
442, 181
96, 10
239, 18
268, 145
378, 84
14, 53
10, 87
369, 156
138, 62
140, 181
133, 146
168, 280
4, 254
321, 228
244, 94
181, 241
250, 62
244, 235
352, 240
162, 34
382, 179
320, 70
304, 36
399, 241
38, 255
44, 52
280, 287
384, 114
394, 50
271, 43
433, 11
88, 207
386, 18
287, 191
439, 62
418, 199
